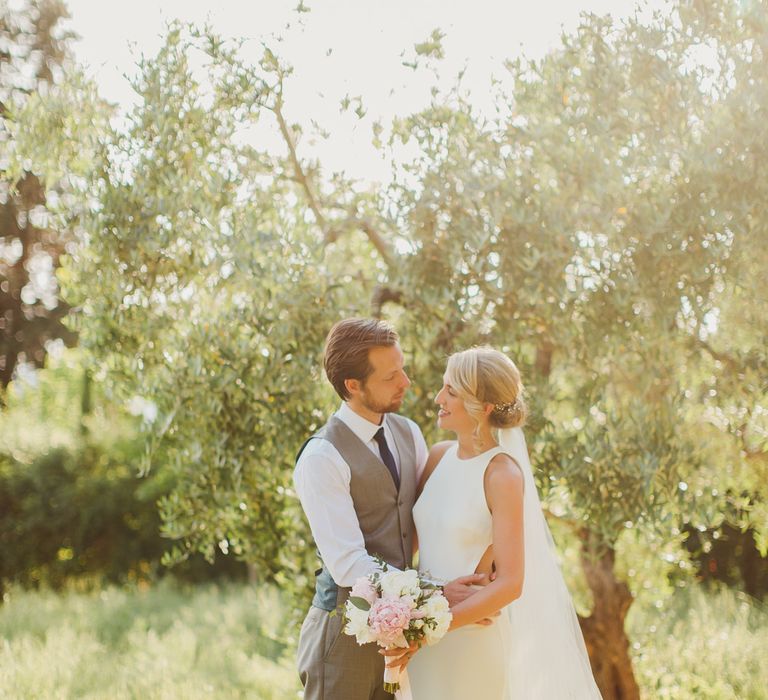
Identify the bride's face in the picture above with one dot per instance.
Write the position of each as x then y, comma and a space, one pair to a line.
452, 414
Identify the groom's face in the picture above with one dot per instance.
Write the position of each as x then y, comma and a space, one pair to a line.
384, 388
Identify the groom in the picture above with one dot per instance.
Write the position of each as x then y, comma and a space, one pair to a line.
356, 479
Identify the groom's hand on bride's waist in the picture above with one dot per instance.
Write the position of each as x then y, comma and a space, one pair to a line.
463, 587
459, 589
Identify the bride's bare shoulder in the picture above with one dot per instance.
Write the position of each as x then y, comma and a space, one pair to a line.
504, 471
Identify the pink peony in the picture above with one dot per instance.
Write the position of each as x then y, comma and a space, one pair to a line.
388, 618
364, 589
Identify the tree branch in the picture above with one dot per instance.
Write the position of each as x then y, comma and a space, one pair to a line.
544, 352
330, 233
376, 240
299, 173
573, 525
381, 295
729, 360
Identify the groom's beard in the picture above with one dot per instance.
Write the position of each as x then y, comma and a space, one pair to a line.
380, 407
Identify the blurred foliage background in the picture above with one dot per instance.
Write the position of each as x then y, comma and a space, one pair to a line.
166, 283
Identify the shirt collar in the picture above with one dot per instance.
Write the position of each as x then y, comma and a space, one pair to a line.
363, 428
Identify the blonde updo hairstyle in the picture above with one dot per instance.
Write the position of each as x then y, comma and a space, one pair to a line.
482, 376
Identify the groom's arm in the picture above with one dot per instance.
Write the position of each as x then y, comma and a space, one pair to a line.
420, 446
322, 481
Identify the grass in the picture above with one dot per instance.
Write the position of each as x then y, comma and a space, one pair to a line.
170, 643
163, 644
703, 645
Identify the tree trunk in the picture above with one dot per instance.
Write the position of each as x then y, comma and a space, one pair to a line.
604, 635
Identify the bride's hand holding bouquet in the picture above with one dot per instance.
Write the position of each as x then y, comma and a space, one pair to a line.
397, 610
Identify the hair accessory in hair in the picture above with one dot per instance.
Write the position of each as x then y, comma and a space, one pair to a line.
508, 407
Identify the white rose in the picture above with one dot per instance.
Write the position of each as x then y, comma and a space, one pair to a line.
435, 604
436, 607
443, 621
357, 624
396, 584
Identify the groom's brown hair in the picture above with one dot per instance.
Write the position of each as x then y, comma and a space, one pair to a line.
347, 347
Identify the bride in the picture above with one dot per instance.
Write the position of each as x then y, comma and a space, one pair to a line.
479, 510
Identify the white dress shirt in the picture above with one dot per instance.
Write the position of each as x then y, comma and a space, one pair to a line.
322, 480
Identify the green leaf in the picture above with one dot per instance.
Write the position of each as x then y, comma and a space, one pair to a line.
359, 603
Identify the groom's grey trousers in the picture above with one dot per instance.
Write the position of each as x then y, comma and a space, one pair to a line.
332, 666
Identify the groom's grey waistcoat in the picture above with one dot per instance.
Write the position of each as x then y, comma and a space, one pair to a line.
384, 513
331, 664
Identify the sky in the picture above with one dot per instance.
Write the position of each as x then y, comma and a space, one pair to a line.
339, 48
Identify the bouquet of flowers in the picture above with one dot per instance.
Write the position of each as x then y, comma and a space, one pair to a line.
395, 608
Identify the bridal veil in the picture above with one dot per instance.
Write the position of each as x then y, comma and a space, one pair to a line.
548, 658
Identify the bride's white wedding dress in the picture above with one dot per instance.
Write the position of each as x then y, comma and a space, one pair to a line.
454, 530
534, 650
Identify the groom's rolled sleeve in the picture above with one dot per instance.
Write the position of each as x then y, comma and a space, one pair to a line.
322, 485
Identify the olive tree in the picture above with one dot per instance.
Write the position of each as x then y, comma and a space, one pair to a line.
604, 229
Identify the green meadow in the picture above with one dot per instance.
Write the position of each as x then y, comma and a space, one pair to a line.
235, 641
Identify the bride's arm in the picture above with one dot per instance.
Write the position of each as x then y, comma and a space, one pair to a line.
504, 493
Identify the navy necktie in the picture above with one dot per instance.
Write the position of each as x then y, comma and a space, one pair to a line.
386, 456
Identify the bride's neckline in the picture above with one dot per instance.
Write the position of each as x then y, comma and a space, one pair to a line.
469, 459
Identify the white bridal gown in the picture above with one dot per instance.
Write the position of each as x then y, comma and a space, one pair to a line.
454, 530
534, 650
